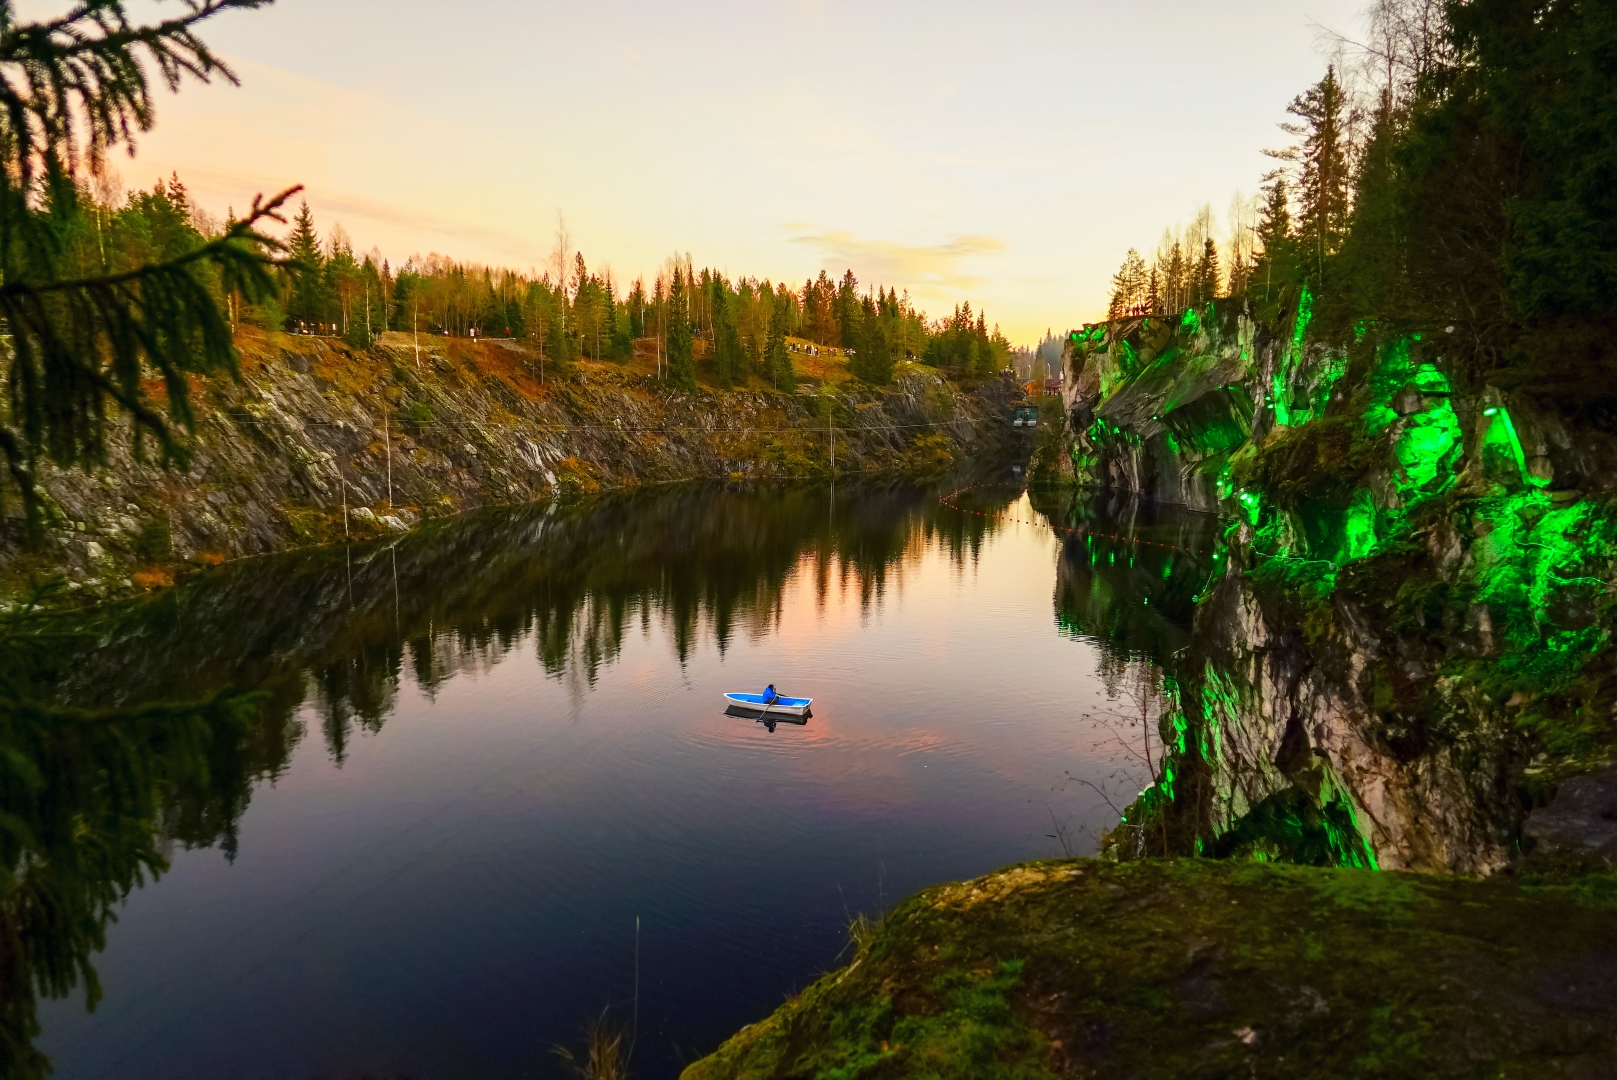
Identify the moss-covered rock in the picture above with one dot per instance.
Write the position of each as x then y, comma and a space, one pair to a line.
1199, 968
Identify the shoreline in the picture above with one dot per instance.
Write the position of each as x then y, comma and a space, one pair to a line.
315, 432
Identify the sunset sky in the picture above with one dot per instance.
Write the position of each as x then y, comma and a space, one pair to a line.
1004, 154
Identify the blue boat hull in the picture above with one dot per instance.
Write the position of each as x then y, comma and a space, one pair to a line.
784, 706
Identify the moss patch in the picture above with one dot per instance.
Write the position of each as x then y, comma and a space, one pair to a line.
1198, 968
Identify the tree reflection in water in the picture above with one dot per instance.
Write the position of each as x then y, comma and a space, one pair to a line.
130, 728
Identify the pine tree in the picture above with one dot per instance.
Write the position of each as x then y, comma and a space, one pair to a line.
729, 363
1178, 280
1322, 188
1128, 286
1276, 247
307, 266
777, 360
89, 329
1119, 305
558, 346
681, 345
342, 279
1207, 273
873, 358
1239, 272
848, 311
983, 354
819, 310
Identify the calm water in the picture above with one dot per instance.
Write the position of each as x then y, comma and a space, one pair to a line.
487, 751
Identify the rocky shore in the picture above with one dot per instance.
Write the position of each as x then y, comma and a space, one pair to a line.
318, 442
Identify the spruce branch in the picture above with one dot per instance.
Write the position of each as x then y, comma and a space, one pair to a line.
87, 69
80, 343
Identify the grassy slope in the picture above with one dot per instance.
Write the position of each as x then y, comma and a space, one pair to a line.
1211, 969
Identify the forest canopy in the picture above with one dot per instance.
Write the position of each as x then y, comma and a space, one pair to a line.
571, 311
1454, 176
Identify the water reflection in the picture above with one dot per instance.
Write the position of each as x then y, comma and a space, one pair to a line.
103, 773
1129, 575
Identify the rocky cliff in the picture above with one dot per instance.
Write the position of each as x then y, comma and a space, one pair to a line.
1407, 645
316, 442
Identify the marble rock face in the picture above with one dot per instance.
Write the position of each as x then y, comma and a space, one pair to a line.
1581, 819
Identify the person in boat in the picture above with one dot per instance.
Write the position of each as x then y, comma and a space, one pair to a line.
770, 694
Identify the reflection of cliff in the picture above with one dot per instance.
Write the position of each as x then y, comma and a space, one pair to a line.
99, 770
1130, 580
1410, 638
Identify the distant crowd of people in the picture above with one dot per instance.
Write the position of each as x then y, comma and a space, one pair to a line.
814, 350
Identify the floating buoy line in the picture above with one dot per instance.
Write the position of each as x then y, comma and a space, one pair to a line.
1059, 530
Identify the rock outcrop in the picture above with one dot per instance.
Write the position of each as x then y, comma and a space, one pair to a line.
1409, 642
1205, 968
317, 442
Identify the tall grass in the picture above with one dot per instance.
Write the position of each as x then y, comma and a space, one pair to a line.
606, 1052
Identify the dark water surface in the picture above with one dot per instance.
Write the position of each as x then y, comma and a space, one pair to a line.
488, 750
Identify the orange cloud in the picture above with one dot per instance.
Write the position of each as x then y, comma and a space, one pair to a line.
891, 262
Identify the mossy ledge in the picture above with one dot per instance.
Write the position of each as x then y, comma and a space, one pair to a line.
1202, 968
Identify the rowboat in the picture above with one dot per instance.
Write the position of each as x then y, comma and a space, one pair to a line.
783, 706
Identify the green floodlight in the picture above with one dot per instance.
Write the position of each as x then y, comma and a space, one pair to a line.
1489, 411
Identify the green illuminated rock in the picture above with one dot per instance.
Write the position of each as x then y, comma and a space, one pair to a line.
1411, 637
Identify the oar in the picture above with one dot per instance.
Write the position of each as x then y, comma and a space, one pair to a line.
767, 706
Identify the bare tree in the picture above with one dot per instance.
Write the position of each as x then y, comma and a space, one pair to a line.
1241, 241
1407, 41
1130, 741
